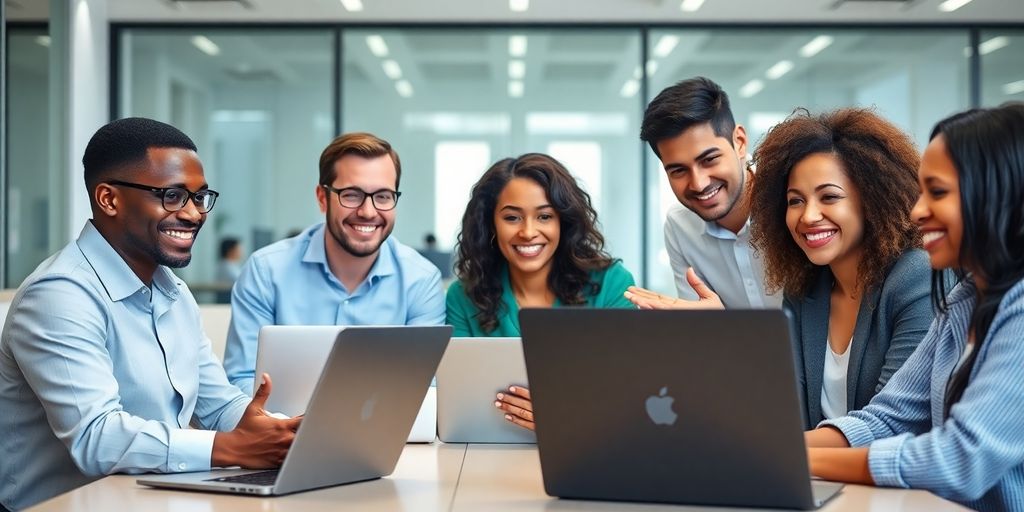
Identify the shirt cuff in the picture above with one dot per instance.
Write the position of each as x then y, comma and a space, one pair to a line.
190, 450
884, 461
856, 431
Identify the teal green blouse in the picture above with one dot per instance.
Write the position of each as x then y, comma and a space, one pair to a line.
462, 313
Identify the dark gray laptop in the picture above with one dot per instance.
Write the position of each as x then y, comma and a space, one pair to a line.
358, 419
694, 407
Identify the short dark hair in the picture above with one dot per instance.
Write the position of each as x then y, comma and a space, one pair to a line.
686, 104
362, 144
227, 244
126, 141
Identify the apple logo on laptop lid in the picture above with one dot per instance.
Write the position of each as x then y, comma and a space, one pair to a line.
659, 408
367, 410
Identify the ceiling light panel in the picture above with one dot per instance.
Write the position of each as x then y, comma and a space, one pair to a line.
352, 5
751, 88
404, 88
816, 45
391, 69
690, 5
377, 45
516, 69
779, 69
665, 45
952, 5
517, 46
206, 46
518, 5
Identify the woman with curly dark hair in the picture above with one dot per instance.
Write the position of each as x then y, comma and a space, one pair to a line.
830, 216
529, 239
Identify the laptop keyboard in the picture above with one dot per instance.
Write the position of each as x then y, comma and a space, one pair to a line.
260, 478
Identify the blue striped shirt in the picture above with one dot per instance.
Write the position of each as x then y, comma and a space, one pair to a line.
976, 456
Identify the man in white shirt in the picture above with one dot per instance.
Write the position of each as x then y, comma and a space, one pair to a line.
704, 153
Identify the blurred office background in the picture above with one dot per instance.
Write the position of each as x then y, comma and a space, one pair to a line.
263, 86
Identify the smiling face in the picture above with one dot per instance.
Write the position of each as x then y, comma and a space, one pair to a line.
937, 211
146, 234
823, 210
704, 170
526, 227
359, 231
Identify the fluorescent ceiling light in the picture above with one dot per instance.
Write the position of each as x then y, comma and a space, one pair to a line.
665, 46
751, 88
637, 73
993, 44
1013, 87
952, 5
518, 5
816, 45
780, 68
515, 89
377, 45
516, 69
352, 5
206, 46
517, 46
404, 88
630, 88
391, 69
691, 5
651, 67
43, 41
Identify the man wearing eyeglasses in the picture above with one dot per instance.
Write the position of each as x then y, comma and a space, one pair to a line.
344, 271
103, 362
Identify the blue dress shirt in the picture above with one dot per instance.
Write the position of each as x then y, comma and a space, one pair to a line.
290, 283
976, 455
102, 374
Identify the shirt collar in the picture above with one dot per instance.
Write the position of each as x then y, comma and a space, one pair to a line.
117, 278
715, 230
316, 252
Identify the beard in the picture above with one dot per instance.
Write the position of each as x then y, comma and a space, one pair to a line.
157, 253
732, 197
357, 249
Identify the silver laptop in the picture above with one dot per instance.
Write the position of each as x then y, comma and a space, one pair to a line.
355, 426
694, 407
472, 371
293, 355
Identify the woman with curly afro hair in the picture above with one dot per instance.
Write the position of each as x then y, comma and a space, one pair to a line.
830, 217
529, 239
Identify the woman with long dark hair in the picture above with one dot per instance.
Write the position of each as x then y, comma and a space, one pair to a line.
529, 239
951, 420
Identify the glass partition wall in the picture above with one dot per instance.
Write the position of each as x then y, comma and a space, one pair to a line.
261, 102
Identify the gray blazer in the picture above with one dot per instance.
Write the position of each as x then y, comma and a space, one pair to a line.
892, 320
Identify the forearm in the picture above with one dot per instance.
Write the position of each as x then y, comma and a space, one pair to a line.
825, 437
840, 464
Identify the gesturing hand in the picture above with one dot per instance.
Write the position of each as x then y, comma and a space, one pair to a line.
646, 299
259, 440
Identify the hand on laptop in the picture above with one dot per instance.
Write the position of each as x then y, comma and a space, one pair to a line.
517, 406
259, 440
646, 299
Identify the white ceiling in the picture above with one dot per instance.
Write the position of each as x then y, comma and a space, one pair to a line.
542, 11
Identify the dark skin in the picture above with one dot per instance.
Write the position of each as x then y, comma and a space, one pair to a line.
138, 227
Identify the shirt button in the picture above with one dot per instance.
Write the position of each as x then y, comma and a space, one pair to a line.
182, 466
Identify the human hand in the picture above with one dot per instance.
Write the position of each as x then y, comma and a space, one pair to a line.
517, 406
646, 299
259, 440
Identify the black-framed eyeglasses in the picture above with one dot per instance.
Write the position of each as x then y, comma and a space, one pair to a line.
354, 197
175, 198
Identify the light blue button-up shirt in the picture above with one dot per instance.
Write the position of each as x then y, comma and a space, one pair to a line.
724, 260
976, 455
102, 374
290, 283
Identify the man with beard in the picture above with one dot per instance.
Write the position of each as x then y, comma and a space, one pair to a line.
103, 362
691, 129
345, 271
